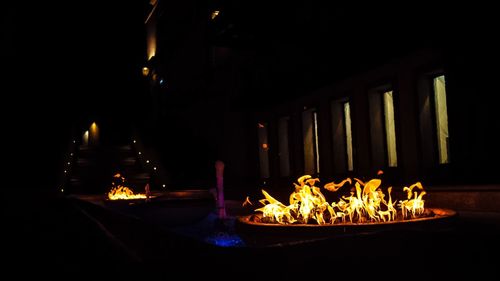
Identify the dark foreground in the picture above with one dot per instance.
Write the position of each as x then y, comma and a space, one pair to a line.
47, 236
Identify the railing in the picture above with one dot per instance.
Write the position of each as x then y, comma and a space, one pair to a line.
150, 162
67, 164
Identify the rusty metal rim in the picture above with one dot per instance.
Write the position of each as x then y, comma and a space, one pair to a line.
439, 214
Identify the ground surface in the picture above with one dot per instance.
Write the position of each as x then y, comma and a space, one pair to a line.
47, 236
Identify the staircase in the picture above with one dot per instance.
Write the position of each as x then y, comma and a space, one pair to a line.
93, 168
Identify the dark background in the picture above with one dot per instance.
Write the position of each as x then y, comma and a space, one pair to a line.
80, 61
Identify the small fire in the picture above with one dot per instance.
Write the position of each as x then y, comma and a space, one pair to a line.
366, 203
121, 192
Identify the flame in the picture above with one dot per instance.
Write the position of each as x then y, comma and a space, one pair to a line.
366, 203
247, 202
121, 192
124, 193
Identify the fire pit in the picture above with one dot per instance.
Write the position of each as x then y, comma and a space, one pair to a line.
122, 196
366, 210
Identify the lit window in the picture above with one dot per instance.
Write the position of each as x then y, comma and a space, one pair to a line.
441, 118
310, 140
390, 130
342, 136
382, 128
348, 136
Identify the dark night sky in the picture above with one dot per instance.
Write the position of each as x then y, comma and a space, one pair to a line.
69, 59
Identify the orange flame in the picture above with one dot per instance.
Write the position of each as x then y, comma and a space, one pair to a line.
366, 203
121, 192
124, 193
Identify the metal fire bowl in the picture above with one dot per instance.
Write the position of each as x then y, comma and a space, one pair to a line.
438, 219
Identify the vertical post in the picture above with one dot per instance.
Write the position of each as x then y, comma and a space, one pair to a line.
219, 171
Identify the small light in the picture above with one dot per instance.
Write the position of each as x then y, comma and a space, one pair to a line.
135, 141
163, 186
154, 168
65, 171
69, 163
147, 161
71, 154
145, 71
140, 153
62, 189
74, 141
214, 14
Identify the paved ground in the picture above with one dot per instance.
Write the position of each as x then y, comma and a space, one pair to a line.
49, 237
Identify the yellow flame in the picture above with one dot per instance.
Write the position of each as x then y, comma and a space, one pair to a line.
366, 203
121, 192
124, 193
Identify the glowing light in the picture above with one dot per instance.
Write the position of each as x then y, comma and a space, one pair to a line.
69, 163
121, 192
225, 240
367, 203
85, 138
93, 133
147, 161
135, 141
154, 168
247, 202
145, 71
163, 185
74, 141
62, 189
124, 193
214, 14
140, 153
71, 154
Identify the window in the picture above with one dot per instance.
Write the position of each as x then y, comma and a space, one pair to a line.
433, 119
283, 142
348, 136
383, 128
263, 150
310, 140
441, 118
390, 130
342, 136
